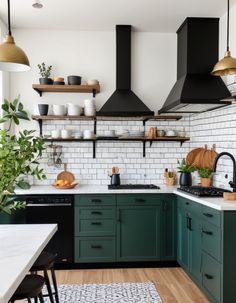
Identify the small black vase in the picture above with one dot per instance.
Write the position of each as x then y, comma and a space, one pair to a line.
45, 81
185, 179
43, 109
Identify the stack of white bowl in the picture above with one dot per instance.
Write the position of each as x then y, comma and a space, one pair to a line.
89, 107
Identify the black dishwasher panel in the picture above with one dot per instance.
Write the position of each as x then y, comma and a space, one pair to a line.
54, 209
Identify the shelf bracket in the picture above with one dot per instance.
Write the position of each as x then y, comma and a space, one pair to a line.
95, 126
39, 92
94, 149
144, 149
94, 92
40, 121
151, 143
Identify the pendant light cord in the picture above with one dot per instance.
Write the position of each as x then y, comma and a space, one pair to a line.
227, 25
9, 19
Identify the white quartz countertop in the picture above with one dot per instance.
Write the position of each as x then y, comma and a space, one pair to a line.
20, 246
216, 203
213, 202
89, 189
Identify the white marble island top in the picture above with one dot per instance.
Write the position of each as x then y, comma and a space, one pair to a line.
20, 246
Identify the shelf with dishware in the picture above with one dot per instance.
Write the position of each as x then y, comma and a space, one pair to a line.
96, 138
40, 89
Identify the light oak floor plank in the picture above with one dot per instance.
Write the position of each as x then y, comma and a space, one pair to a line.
173, 285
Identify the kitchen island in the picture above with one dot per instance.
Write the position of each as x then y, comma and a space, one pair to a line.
20, 246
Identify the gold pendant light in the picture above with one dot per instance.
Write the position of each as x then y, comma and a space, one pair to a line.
12, 57
227, 65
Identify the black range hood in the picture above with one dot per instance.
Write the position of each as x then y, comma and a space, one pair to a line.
123, 102
196, 90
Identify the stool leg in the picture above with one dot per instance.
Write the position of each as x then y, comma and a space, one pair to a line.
36, 300
41, 300
48, 286
55, 284
29, 301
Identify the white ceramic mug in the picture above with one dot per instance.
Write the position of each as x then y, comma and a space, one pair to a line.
66, 133
88, 134
73, 109
89, 102
89, 111
59, 110
56, 133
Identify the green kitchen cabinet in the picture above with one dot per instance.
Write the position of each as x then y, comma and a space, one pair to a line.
138, 227
189, 237
168, 227
138, 233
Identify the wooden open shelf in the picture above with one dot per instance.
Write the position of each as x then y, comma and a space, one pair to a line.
94, 89
107, 118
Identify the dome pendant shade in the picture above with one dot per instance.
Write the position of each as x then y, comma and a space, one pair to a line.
12, 57
226, 66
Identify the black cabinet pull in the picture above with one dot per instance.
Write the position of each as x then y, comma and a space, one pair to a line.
207, 232
96, 200
96, 212
96, 223
190, 223
187, 221
96, 246
209, 277
140, 200
164, 205
187, 203
208, 215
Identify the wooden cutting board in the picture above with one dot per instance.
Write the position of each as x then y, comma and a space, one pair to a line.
66, 175
191, 156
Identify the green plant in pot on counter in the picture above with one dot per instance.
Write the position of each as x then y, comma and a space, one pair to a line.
185, 170
45, 73
205, 174
19, 156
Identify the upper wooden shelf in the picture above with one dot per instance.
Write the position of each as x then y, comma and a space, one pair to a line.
107, 118
94, 89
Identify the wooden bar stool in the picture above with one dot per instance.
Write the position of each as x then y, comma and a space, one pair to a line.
30, 287
44, 263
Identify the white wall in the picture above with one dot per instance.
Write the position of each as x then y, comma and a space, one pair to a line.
92, 55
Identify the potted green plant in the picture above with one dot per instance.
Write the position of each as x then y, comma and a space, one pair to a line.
19, 156
185, 170
45, 72
205, 174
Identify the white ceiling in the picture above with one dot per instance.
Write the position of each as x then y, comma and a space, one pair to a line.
103, 15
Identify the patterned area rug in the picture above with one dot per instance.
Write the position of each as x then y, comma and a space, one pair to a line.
108, 293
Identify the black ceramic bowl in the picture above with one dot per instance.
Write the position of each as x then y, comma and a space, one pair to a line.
58, 83
74, 80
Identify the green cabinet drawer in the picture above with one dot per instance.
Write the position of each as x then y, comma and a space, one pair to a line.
211, 215
89, 249
95, 200
211, 277
189, 206
94, 213
211, 240
95, 227
140, 199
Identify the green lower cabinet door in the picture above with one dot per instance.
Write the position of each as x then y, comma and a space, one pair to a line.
138, 233
195, 249
182, 238
94, 249
211, 278
168, 229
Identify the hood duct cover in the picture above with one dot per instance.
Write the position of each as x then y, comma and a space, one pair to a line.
123, 102
196, 90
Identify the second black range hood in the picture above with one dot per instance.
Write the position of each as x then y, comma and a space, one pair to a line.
196, 90
123, 102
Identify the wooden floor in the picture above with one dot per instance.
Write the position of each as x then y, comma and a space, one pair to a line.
173, 284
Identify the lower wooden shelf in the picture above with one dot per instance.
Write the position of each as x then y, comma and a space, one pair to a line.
129, 139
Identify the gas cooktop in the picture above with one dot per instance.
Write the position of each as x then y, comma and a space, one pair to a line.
134, 186
203, 191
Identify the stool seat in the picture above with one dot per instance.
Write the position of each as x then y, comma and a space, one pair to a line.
30, 287
45, 260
